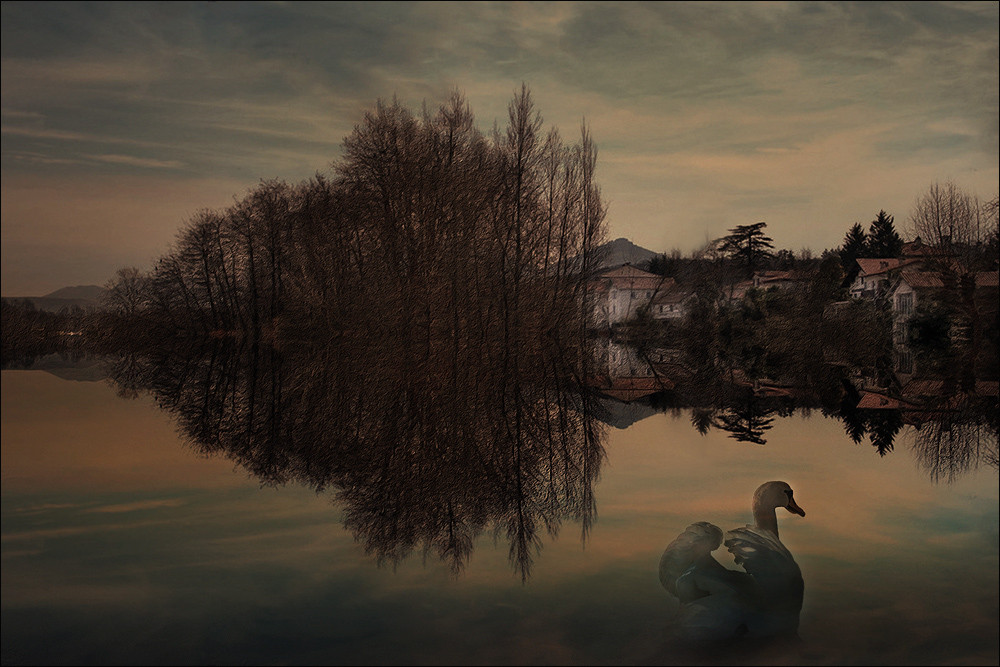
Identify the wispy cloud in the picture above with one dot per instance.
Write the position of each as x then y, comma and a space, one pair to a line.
138, 505
690, 103
140, 162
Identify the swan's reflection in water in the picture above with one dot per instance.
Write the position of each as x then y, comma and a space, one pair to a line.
718, 603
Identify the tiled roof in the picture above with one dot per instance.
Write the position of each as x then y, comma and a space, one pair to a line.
631, 389
629, 277
933, 280
737, 291
873, 401
773, 276
917, 248
922, 279
874, 266
597, 286
673, 294
988, 279
627, 271
637, 283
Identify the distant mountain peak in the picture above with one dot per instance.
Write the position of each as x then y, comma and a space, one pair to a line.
622, 251
84, 292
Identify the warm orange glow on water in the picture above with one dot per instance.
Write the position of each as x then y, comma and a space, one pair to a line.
105, 508
61, 435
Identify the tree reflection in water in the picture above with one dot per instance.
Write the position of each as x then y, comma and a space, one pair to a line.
424, 449
954, 418
956, 427
427, 446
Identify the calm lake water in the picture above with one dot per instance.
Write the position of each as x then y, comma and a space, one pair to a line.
122, 544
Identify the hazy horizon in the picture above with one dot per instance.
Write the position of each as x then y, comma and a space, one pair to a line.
122, 120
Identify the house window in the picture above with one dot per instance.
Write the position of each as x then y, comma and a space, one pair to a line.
904, 303
904, 362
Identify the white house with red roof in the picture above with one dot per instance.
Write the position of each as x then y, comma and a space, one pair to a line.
619, 294
873, 276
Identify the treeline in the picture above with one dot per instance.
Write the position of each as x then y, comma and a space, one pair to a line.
27, 331
733, 258
425, 225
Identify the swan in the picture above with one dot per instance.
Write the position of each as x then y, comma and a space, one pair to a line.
718, 603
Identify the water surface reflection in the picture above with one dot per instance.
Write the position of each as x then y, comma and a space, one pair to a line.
421, 451
121, 547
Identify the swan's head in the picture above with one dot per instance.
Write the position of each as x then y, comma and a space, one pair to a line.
771, 495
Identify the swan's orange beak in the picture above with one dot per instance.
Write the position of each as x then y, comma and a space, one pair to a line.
794, 509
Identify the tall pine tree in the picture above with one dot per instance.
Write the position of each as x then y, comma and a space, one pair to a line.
883, 241
855, 245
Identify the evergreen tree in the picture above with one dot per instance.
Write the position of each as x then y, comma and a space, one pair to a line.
855, 245
883, 241
748, 245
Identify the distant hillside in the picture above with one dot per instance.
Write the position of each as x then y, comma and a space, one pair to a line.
84, 296
83, 292
622, 251
615, 253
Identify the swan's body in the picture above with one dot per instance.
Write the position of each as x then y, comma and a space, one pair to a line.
719, 603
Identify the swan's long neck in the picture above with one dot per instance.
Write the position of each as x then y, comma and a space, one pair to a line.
764, 517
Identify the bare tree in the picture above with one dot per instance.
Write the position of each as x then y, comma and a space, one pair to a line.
127, 292
954, 220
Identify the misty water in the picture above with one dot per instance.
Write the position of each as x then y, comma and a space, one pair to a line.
243, 506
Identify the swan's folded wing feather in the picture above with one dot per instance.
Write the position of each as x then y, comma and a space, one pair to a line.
689, 572
770, 563
698, 538
716, 580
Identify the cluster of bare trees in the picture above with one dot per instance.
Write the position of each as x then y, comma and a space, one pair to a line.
959, 222
434, 289
426, 224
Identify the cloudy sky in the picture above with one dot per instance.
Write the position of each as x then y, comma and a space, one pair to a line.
121, 120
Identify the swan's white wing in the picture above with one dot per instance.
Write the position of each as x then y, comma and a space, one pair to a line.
771, 564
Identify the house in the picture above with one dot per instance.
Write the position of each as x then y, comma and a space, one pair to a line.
911, 288
871, 278
619, 294
671, 302
624, 374
780, 279
737, 291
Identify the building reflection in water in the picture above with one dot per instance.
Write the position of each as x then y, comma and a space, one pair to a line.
953, 416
